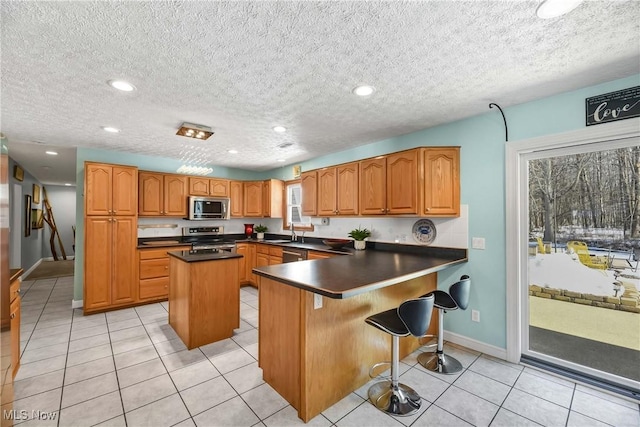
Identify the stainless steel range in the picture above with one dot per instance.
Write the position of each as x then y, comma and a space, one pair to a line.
206, 238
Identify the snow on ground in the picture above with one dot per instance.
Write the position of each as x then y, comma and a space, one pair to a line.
562, 271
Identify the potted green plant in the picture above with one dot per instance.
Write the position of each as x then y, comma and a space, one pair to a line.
359, 235
260, 229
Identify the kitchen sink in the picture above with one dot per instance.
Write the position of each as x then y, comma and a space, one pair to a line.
277, 241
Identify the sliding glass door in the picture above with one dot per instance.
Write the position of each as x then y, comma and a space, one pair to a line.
580, 301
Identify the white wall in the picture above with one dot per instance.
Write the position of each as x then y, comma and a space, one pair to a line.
63, 204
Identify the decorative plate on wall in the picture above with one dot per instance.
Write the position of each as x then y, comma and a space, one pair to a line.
424, 231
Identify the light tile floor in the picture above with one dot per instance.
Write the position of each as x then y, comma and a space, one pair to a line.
129, 368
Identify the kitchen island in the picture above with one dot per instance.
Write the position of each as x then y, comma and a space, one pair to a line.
204, 295
314, 345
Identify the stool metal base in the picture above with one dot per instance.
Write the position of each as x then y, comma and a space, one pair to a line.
439, 362
401, 400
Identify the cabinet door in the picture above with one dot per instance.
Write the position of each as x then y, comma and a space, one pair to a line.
251, 263
402, 182
309, 183
253, 199
125, 190
327, 192
175, 195
14, 310
198, 186
319, 255
272, 194
262, 259
242, 249
236, 195
97, 262
442, 181
373, 186
124, 260
97, 189
150, 194
347, 189
219, 187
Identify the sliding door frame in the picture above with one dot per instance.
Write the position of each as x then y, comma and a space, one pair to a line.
517, 154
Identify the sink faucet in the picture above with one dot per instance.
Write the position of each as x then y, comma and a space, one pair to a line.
294, 237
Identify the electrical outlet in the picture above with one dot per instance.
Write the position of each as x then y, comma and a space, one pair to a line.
324, 221
477, 243
317, 301
475, 315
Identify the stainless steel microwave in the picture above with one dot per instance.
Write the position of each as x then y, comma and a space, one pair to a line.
201, 208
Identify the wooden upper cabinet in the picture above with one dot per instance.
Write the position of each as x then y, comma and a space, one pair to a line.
162, 194
327, 181
198, 186
151, 194
219, 187
309, 185
110, 189
373, 186
441, 181
236, 193
272, 196
347, 189
175, 195
402, 182
252, 198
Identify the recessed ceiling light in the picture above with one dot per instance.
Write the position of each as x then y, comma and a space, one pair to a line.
122, 85
279, 128
281, 160
232, 151
553, 8
363, 90
110, 129
51, 153
67, 184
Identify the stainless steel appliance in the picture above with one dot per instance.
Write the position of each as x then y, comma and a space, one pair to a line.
293, 255
201, 208
206, 238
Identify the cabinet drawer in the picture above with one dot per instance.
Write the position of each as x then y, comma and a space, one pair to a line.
154, 288
275, 251
150, 268
263, 249
161, 253
14, 290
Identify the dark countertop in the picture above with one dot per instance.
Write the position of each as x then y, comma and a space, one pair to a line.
344, 277
199, 256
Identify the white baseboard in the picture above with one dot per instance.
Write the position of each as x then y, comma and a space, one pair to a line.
33, 267
50, 258
472, 344
77, 303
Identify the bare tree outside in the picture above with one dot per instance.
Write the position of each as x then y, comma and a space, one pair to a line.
591, 197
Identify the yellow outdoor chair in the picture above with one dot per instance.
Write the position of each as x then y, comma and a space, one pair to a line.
580, 248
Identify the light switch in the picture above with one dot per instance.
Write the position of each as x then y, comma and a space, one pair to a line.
477, 243
317, 301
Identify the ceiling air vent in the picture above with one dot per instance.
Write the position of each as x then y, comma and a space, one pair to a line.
285, 145
194, 131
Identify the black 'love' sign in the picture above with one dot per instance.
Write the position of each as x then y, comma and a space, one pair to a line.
612, 106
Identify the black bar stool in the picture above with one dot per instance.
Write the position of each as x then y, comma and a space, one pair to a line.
412, 317
457, 298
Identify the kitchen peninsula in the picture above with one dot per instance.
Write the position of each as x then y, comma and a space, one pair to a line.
204, 302
314, 345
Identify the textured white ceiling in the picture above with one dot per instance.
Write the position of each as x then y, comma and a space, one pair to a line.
244, 67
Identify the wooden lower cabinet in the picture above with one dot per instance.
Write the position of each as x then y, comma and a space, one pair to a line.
15, 335
204, 301
109, 262
153, 272
319, 255
242, 249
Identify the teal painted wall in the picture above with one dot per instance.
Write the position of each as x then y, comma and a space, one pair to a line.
483, 188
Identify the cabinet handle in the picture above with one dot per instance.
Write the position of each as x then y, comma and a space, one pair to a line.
13, 316
382, 210
166, 267
426, 210
18, 292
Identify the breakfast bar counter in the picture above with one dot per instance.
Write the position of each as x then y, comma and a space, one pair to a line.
315, 350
